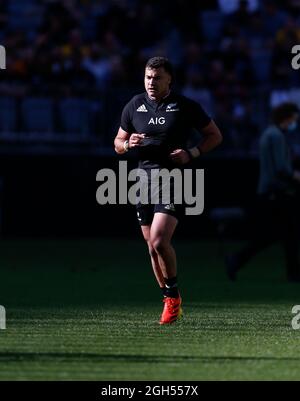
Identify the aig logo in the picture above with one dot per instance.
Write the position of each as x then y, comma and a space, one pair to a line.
155, 121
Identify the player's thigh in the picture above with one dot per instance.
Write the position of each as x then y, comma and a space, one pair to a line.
145, 217
163, 227
145, 214
146, 232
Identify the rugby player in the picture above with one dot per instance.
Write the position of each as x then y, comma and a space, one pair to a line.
158, 123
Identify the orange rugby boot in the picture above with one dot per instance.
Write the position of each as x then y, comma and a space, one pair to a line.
172, 310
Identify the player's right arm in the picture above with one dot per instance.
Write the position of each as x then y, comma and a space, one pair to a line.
124, 141
126, 137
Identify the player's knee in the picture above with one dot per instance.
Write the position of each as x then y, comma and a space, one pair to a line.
152, 251
159, 244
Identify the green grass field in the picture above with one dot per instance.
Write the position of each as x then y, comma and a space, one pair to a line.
88, 310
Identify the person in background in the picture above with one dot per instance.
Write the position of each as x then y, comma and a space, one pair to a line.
276, 209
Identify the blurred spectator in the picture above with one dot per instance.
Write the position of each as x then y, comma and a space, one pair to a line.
289, 34
58, 21
98, 65
231, 6
273, 17
195, 89
241, 16
222, 51
291, 6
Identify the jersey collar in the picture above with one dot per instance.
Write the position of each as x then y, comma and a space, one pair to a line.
162, 101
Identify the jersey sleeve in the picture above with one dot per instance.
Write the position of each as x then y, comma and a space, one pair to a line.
196, 114
126, 118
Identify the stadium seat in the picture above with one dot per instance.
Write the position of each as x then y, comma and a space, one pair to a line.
8, 114
74, 115
38, 114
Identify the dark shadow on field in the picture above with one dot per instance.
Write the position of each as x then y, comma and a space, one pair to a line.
100, 273
36, 357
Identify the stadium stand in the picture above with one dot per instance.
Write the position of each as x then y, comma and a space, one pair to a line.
228, 55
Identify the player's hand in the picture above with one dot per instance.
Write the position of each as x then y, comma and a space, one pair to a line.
135, 140
180, 156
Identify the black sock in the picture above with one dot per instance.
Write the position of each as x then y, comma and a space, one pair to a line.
171, 287
163, 290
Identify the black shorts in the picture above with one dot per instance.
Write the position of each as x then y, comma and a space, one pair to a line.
145, 213
159, 204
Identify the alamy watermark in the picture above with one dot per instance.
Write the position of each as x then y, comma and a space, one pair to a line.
296, 319
155, 186
2, 58
296, 58
2, 318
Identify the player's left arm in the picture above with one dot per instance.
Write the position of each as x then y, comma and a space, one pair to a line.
212, 137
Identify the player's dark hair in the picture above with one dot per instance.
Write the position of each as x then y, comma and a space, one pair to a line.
283, 112
160, 62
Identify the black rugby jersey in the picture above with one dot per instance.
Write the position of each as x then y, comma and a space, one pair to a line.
167, 126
